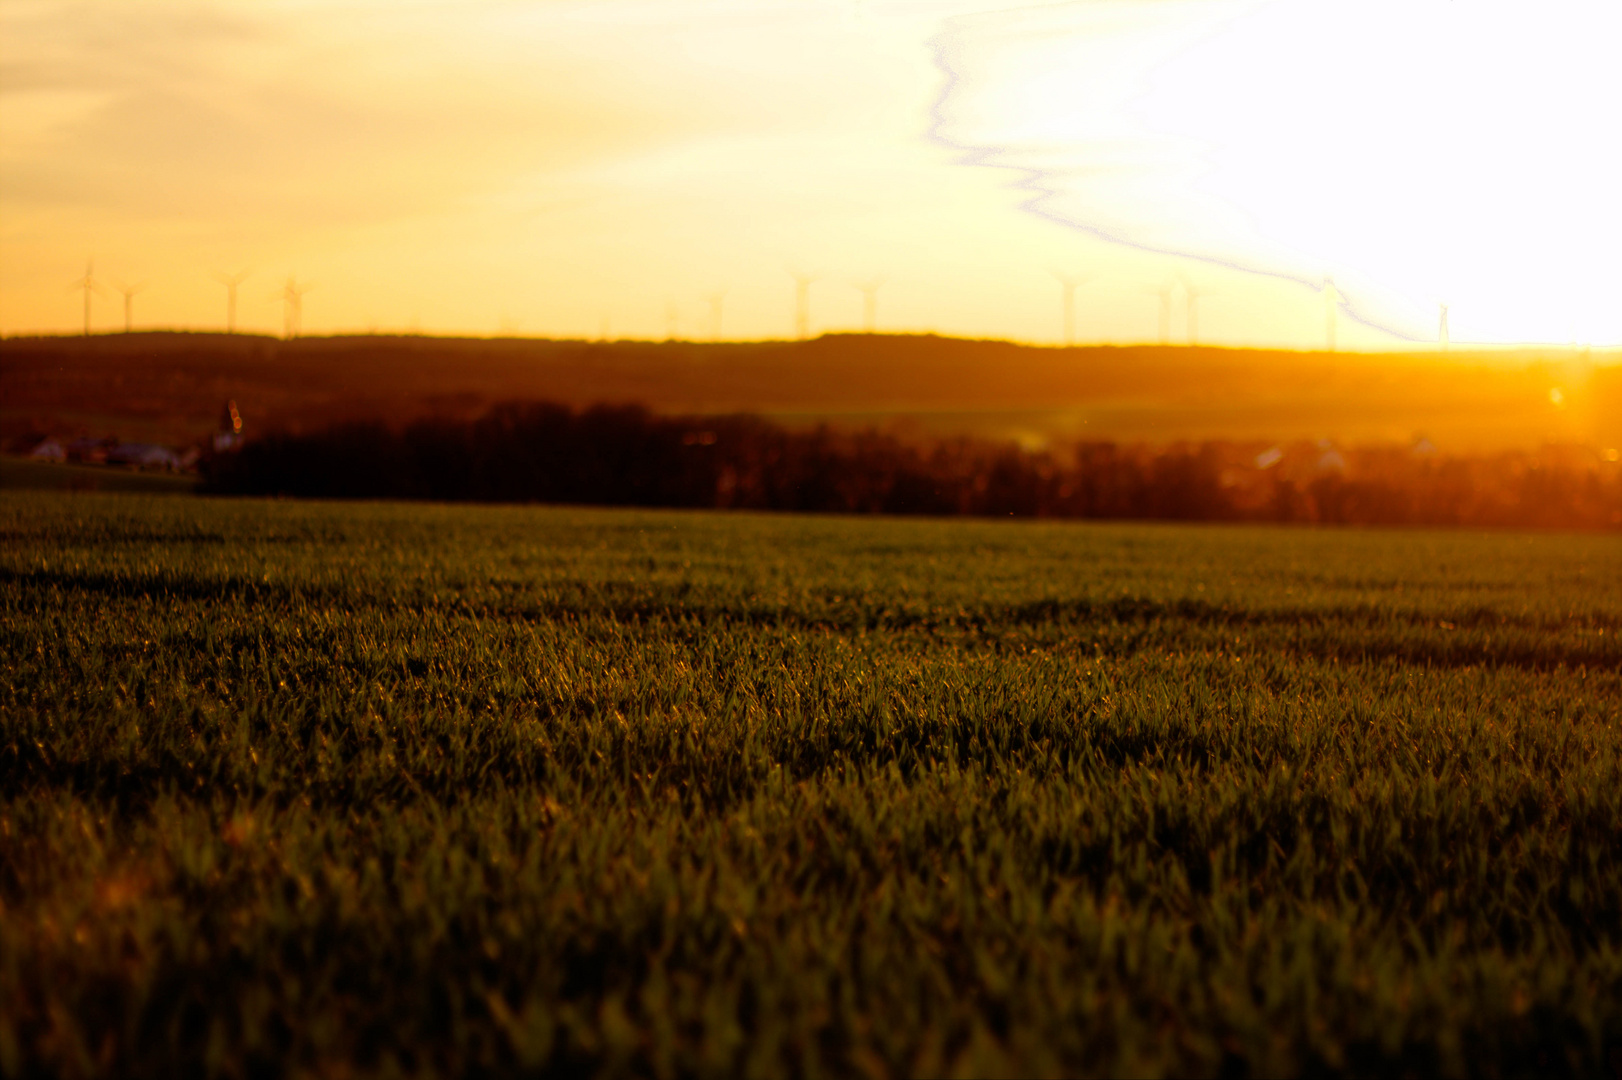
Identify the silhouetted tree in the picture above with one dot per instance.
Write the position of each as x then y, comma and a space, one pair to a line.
625, 455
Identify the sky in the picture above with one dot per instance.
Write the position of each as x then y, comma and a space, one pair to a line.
1246, 172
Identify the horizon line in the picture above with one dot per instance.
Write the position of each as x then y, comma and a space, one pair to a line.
1399, 348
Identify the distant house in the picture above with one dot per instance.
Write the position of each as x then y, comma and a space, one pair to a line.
49, 450
88, 451
159, 457
1330, 459
144, 456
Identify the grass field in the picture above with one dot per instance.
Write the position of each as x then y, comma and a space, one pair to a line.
349, 790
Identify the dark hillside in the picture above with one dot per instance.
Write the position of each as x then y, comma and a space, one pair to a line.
170, 387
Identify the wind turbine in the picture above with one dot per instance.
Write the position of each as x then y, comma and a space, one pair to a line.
1067, 293
231, 281
88, 284
292, 295
1441, 330
1332, 299
1191, 296
802, 303
715, 300
870, 302
128, 292
1165, 293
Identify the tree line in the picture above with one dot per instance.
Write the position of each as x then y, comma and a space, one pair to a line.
626, 455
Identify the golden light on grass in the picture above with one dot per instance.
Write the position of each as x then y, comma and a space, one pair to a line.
121, 889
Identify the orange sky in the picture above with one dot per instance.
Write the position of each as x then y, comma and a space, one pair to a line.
551, 167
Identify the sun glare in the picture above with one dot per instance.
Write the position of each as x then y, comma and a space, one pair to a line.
1418, 152
541, 166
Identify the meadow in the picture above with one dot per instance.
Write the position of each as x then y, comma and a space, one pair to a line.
354, 789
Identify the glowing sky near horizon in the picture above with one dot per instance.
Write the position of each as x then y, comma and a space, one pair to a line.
554, 167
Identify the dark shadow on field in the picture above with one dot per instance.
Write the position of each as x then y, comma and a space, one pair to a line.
1354, 633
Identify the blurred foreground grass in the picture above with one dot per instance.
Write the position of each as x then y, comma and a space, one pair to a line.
376, 789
